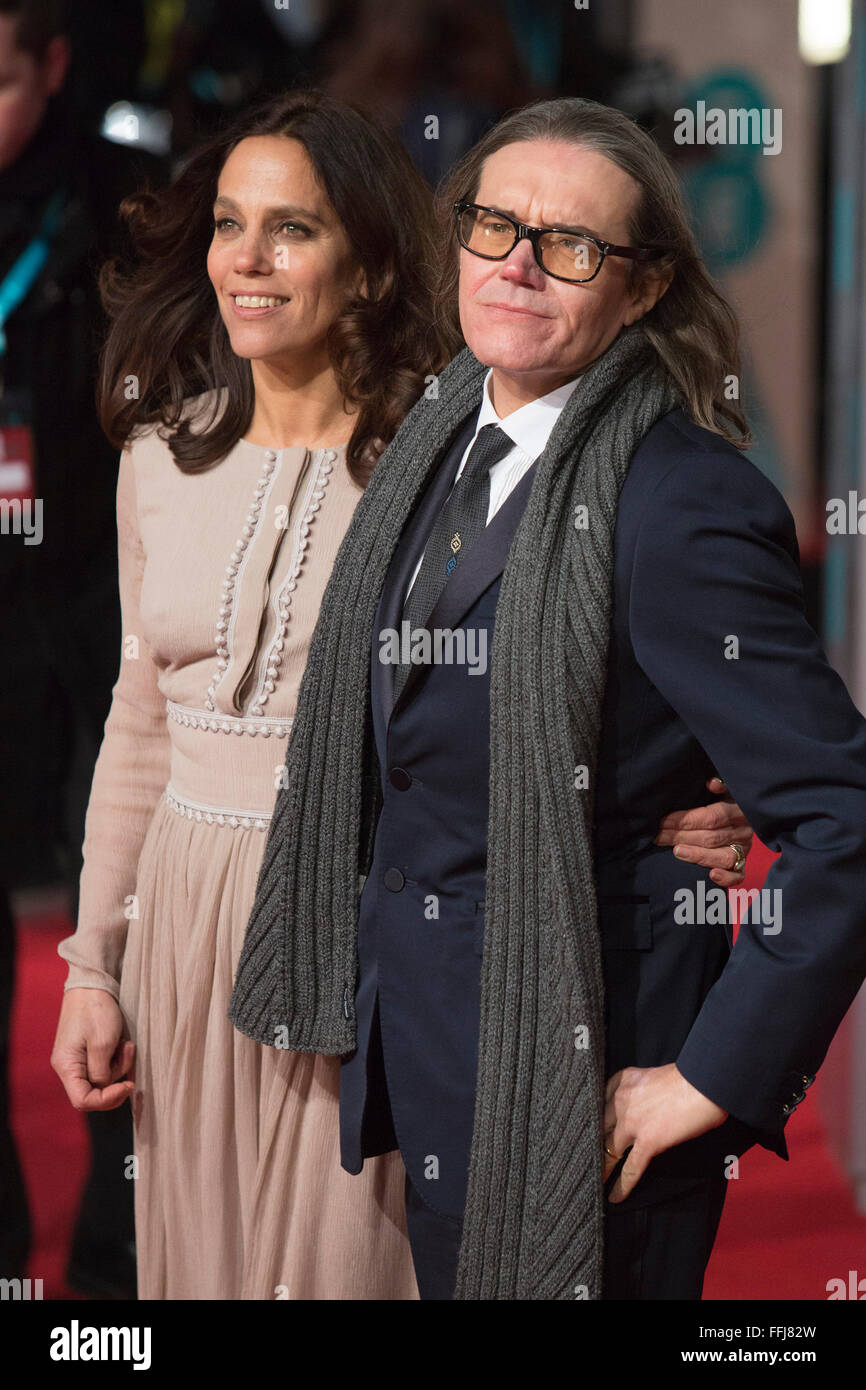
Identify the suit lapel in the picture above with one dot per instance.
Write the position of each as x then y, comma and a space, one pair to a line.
485, 562
407, 555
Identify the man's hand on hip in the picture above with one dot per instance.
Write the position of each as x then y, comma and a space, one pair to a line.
648, 1110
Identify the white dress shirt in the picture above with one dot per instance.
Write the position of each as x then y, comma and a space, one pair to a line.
529, 428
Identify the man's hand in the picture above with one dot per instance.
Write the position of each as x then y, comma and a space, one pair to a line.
650, 1109
704, 835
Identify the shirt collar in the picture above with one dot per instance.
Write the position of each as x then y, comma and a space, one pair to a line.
530, 426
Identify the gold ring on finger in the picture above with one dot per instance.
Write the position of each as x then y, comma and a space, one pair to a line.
739, 859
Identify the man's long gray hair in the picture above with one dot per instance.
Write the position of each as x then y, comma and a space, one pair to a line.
692, 328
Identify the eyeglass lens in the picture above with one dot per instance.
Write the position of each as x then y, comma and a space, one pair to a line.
564, 254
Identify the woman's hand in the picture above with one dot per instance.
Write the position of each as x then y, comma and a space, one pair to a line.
90, 1055
704, 835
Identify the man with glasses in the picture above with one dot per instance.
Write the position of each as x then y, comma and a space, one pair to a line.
535, 1000
538, 303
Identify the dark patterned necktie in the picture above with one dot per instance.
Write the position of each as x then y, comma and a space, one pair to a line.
461, 520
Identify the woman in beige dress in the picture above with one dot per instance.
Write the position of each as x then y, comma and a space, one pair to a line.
285, 272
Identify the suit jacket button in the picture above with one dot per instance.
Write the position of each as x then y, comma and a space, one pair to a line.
399, 778
393, 880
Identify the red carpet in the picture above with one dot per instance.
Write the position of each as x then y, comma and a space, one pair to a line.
786, 1229
51, 1136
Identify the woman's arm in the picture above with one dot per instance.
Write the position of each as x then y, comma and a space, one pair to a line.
131, 772
706, 835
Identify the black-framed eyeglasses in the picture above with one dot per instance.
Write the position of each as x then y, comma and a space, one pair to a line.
562, 252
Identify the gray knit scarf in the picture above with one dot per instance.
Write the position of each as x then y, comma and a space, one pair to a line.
533, 1222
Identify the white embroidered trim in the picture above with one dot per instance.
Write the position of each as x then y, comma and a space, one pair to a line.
229, 723
237, 560
282, 600
216, 815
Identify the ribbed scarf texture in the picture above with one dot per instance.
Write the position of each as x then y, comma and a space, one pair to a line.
533, 1224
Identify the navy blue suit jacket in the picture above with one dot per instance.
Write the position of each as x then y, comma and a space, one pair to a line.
705, 552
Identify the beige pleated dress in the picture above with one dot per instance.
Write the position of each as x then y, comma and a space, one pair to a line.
239, 1191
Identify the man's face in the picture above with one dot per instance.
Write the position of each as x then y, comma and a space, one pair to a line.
536, 330
25, 87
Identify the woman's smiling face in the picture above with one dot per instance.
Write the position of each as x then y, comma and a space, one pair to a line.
280, 261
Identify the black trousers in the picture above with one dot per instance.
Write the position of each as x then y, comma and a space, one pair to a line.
659, 1251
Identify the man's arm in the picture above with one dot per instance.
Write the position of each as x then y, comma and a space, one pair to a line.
717, 623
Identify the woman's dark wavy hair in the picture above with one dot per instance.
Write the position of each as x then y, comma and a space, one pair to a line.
166, 328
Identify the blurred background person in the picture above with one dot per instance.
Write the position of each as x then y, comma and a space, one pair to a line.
225, 56
438, 72
60, 185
